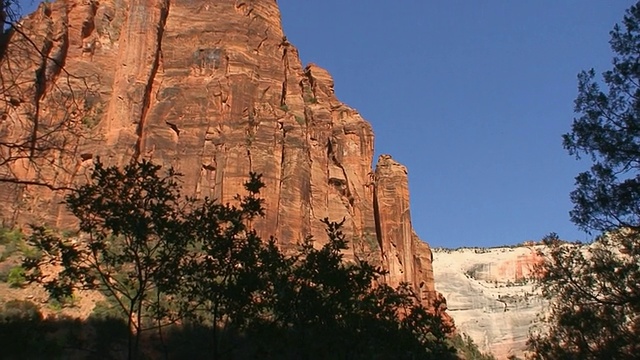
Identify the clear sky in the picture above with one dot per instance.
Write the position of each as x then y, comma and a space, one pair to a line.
472, 96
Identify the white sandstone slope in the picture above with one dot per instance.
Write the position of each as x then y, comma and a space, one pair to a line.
489, 295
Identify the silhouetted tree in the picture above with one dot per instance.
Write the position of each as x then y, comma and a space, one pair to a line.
130, 241
43, 107
322, 307
594, 294
221, 279
594, 290
9, 10
188, 266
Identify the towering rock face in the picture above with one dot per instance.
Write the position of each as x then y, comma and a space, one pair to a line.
407, 258
214, 89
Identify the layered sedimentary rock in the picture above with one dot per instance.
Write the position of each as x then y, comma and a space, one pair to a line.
490, 294
214, 89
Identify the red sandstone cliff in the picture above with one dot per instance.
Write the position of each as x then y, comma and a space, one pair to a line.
214, 89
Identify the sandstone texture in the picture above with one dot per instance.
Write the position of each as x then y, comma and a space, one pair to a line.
214, 89
489, 294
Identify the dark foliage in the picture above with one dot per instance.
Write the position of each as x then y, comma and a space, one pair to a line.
191, 278
594, 289
608, 130
467, 349
131, 225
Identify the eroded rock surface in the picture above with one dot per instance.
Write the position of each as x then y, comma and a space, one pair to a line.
490, 295
214, 89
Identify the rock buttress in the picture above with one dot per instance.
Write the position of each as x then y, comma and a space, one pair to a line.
212, 88
407, 258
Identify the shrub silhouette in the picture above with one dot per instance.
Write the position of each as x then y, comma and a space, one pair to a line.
186, 277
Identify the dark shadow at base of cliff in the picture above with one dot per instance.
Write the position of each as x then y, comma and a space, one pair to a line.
26, 334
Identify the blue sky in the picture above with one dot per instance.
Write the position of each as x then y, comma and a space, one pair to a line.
472, 96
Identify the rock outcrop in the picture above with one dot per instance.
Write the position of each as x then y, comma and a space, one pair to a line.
490, 295
214, 89
407, 258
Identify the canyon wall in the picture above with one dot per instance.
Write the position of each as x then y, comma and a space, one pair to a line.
214, 89
490, 295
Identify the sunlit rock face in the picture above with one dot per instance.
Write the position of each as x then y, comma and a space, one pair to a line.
214, 89
489, 295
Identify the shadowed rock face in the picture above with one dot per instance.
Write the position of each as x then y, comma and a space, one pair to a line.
214, 89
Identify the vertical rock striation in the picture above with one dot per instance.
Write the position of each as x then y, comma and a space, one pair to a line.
407, 258
214, 89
